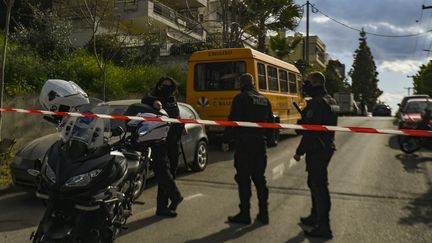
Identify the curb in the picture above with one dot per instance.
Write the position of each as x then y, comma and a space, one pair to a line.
6, 189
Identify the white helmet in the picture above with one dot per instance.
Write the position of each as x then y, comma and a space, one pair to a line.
61, 95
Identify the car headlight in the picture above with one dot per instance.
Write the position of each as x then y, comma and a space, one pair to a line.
83, 179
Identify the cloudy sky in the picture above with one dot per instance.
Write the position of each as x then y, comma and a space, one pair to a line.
396, 58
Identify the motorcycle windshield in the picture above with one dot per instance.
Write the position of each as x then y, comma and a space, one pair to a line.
91, 131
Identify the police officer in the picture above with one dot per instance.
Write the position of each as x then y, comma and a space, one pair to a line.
319, 148
250, 158
164, 92
166, 155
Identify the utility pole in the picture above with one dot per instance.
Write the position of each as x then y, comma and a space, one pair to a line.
409, 89
307, 32
9, 4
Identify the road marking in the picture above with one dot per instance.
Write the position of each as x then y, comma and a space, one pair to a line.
193, 196
279, 170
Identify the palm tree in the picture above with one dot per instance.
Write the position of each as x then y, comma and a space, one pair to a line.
282, 46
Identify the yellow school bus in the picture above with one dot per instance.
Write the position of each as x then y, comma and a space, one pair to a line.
212, 83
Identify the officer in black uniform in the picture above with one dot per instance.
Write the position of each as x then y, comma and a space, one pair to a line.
166, 155
250, 158
319, 148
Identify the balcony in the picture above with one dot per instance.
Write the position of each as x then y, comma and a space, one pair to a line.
183, 4
136, 14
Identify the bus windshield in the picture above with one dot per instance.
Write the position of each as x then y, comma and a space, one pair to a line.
218, 76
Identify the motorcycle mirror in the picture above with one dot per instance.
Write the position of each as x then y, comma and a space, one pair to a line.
118, 131
33, 172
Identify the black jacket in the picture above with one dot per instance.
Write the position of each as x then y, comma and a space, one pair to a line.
249, 106
319, 111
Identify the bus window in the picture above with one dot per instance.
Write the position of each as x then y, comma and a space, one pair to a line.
292, 83
262, 77
272, 78
283, 81
218, 76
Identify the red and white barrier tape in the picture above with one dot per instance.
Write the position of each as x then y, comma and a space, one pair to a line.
321, 128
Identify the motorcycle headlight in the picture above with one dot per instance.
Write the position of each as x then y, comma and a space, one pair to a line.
49, 172
83, 179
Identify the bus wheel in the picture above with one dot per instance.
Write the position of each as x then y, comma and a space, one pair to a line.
273, 140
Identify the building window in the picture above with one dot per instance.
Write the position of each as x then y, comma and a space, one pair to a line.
283, 81
292, 83
262, 77
272, 78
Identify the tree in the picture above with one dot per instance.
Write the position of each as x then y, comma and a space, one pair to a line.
8, 4
48, 33
98, 14
271, 15
334, 80
364, 75
423, 79
282, 46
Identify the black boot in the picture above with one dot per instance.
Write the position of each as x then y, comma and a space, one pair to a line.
263, 215
175, 202
241, 218
310, 220
166, 213
320, 231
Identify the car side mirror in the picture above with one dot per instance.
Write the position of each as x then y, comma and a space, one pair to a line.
399, 104
33, 172
118, 131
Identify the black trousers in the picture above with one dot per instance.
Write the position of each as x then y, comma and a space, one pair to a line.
173, 145
250, 162
316, 166
167, 188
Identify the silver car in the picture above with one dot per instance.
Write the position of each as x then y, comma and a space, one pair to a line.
194, 143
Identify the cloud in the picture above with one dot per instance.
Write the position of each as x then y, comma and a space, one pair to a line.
392, 99
382, 17
320, 19
401, 66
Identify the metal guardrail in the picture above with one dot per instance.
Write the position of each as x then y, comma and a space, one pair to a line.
175, 17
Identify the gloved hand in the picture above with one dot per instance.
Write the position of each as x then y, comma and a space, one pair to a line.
297, 157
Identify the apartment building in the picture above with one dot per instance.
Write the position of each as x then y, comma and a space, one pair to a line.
174, 21
317, 52
179, 21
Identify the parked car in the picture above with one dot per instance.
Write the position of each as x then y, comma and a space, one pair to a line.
194, 144
405, 100
381, 109
410, 114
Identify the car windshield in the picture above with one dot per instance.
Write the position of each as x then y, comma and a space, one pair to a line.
416, 107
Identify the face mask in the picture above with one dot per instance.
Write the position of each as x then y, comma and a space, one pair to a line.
167, 90
307, 87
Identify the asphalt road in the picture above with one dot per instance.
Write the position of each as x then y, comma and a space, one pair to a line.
378, 195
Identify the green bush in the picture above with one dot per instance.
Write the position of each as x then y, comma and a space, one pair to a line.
25, 70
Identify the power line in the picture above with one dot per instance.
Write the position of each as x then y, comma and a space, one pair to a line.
419, 22
369, 33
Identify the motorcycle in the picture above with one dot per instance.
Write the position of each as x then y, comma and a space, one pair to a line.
411, 144
89, 181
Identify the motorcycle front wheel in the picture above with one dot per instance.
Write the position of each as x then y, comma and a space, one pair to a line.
409, 145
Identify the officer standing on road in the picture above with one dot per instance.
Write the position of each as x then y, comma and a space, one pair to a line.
319, 148
166, 155
250, 158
